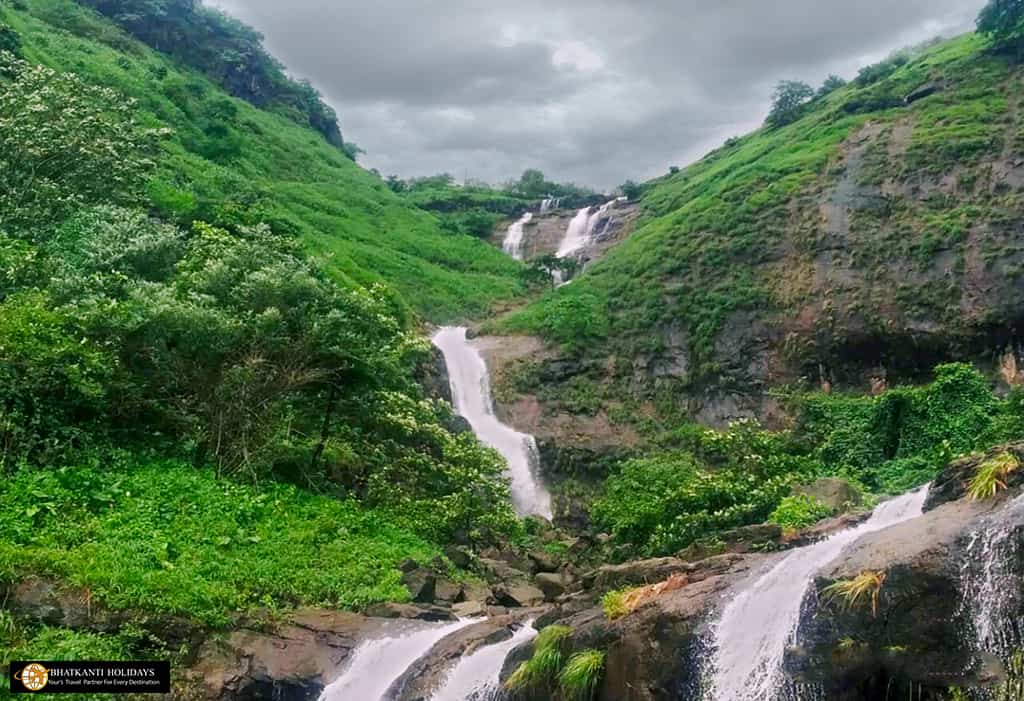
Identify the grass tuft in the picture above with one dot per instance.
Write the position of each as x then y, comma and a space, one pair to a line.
992, 475
542, 669
582, 675
866, 585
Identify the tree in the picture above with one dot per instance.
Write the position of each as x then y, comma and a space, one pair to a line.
9, 40
65, 144
788, 102
1003, 22
631, 189
831, 84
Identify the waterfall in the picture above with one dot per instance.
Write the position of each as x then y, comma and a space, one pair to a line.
758, 623
377, 663
471, 393
582, 229
549, 204
991, 580
478, 676
513, 244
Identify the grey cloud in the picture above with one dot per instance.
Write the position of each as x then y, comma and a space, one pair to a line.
594, 91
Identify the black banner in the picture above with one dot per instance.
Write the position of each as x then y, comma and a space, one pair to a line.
91, 677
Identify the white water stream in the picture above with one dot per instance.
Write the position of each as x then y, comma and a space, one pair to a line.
755, 627
378, 663
471, 394
478, 675
992, 586
513, 244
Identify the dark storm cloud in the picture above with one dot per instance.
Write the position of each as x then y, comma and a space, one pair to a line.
592, 91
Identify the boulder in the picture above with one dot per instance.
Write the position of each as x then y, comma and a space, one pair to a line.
837, 494
410, 612
518, 595
551, 583
543, 561
634, 573
447, 591
421, 584
469, 609
460, 557
291, 662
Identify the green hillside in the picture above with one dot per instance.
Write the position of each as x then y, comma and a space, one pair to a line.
228, 162
878, 232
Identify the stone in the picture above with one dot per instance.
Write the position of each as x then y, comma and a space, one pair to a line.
410, 611
551, 584
500, 571
459, 557
408, 565
518, 595
469, 609
837, 494
447, 591
543, 561
636, 573
420, 582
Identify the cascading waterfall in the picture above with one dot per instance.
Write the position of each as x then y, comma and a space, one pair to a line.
583, 229
513, 244
378, 663
477, 677
991, 580
755, 627
549, 204
471, 393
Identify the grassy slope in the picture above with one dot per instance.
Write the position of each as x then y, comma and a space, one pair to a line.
283, 173
714, 235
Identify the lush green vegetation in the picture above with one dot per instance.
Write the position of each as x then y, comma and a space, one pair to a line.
230, 164
540, 673
162, 536
799, 511
208, 343
708, 481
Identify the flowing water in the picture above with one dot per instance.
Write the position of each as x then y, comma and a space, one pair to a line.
583, 229
549, 204
478, 675
471, 393
993, 590
513, 244
378, 663
755, 627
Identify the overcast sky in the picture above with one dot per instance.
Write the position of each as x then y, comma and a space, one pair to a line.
590, 91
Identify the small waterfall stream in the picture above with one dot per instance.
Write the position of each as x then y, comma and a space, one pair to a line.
377, 663
583, 228
471, 393
477, 676
755, 627
513, 244
993, 583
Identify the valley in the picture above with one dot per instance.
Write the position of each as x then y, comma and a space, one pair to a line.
751, 430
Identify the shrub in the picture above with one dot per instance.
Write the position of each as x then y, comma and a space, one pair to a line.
799, 511
614, 603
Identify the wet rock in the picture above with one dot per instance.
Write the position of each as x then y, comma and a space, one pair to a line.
837, 494
826, 528
426, 675
551, 584
411, 612
292, 662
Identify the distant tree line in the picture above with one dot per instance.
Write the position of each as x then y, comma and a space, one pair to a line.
227, 51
